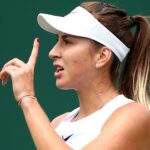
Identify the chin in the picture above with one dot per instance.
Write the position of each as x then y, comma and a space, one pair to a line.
63, 85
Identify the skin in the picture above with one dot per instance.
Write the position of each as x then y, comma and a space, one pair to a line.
87, 72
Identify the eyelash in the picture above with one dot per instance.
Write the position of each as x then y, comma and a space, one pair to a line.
66, 41
56, 40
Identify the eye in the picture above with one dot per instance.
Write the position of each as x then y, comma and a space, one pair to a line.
67, 41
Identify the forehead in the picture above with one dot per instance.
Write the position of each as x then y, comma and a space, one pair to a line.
64, 36
92, 43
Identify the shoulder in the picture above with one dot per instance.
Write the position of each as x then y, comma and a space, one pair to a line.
128, 128
136, 111
130, 122
133, 110
131, 115
56, 121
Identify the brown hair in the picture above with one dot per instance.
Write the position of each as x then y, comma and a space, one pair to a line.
134, 72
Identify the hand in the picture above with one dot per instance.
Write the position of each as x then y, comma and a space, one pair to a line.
22, 74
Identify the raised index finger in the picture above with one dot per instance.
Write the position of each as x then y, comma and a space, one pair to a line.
34, 53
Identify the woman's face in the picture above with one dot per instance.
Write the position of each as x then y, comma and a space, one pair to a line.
74, 61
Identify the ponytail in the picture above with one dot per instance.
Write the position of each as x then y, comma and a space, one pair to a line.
135, 78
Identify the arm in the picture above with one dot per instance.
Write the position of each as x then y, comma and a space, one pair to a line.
22, 75
43, 134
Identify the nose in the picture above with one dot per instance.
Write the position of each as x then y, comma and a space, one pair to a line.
54, 53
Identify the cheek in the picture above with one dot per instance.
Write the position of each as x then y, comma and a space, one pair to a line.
79, 66
78, 62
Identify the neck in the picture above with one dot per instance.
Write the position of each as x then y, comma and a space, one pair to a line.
94, 96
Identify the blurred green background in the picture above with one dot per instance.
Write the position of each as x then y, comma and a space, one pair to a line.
18, 28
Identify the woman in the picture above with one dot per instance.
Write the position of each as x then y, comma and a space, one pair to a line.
93, 40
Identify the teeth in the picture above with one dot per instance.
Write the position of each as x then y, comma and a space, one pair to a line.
59, 69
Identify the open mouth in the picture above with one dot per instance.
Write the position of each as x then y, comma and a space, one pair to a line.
58, 69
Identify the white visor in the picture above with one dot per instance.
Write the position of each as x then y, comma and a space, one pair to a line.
80, 22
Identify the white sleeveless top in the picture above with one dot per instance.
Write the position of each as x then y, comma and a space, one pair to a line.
79, 133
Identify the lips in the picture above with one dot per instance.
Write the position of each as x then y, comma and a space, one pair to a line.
59, 70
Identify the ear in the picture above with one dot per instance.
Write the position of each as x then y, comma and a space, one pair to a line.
103, 56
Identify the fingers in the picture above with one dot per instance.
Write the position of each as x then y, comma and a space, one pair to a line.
8, 69
4, 78
16, 62
34, 53
6, 72
32, 59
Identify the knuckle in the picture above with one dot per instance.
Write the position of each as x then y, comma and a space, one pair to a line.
15, 59
19, 74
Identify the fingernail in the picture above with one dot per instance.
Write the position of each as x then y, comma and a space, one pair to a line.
38, 40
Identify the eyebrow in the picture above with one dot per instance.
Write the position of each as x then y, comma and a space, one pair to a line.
65, 36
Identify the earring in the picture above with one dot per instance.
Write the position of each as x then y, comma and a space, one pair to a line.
98, 66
